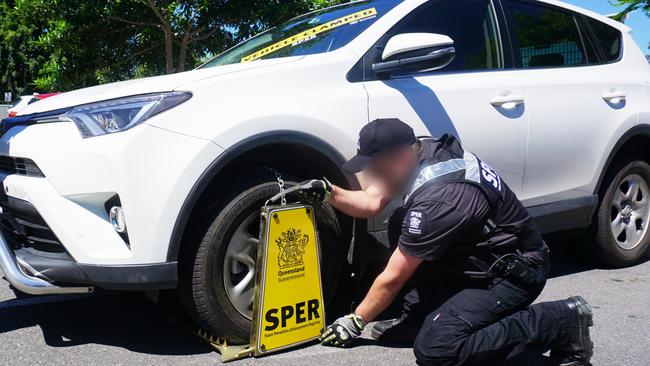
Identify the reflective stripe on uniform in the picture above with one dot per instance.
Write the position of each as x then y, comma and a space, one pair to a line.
472, 171
469, 163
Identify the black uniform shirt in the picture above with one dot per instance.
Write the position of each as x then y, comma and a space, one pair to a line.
442, 215
446, 221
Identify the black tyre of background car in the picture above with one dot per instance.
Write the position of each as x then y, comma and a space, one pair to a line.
608, 251
204, 294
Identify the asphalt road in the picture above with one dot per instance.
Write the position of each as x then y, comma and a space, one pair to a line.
127, 329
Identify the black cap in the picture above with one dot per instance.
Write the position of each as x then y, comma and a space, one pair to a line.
377, 138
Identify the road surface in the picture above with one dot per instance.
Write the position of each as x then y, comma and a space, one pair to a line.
127, 329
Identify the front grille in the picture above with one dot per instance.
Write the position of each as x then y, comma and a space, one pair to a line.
20, 166
25, 228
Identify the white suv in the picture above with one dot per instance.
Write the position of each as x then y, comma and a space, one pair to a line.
157, 183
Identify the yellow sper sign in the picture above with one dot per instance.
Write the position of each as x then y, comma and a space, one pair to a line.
289, 302
311, 33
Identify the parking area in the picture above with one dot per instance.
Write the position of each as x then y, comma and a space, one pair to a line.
127, 329
3, 110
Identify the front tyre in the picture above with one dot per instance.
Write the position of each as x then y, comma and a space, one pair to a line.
621, 227
219, 293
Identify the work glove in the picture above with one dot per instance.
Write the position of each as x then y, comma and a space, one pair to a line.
343, 331
315, 191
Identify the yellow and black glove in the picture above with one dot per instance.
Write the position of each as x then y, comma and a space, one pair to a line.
343, 331
315, 191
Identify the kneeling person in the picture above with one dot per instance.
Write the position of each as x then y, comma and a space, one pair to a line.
462, 221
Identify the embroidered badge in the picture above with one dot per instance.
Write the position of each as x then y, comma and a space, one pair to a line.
415, 223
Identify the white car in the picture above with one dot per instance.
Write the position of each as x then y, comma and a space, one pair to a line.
157, 183
26, 100
21, 103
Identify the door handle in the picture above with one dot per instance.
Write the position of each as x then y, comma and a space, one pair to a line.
509, 101
614, 96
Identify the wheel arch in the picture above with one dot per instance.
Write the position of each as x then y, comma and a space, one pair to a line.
636, 141
324, 155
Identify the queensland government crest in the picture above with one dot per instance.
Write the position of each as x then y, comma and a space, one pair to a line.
292, 245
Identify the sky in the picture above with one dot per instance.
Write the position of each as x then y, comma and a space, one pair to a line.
638, 21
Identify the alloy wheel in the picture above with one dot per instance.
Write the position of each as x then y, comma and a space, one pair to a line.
629, 211
239, 265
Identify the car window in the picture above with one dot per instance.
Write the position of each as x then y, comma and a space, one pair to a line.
470, 23
20, 102
545, 36
317, 32
609, 39
591, 49
14, 104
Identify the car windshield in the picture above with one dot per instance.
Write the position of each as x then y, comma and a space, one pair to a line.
317, 32
17, 102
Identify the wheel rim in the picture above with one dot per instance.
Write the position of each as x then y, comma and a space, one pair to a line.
239, 265
629, 213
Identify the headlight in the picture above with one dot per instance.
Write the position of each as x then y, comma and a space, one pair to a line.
121, 114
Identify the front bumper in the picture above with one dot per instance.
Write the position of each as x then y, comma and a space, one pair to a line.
26, 283
56, 225
33, 258
21, 269
67, 272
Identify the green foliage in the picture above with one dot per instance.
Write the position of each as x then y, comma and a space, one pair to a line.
632, 5
59, 45
19, 54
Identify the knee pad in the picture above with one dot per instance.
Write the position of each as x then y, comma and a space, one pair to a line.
440, 339
427, 353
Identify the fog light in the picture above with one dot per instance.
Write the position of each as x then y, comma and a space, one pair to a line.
116, 216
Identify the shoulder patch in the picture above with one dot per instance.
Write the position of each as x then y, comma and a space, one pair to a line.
415, 222
490, 177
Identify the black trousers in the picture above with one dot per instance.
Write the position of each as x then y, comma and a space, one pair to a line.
485, 323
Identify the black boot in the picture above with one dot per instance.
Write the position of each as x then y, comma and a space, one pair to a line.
579, 348
400, 332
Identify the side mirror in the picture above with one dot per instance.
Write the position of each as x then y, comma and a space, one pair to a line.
415, 52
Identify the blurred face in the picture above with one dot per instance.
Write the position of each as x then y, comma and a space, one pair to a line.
394, 169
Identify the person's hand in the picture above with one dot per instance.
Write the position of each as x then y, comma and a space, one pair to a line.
343, 331
315, 190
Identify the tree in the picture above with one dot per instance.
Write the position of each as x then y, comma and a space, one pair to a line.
20, 57
632, 5
58, 45
188, 29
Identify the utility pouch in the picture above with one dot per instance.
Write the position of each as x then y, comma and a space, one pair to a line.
516, 267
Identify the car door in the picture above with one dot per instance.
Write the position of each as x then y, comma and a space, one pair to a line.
576, 99
475, 97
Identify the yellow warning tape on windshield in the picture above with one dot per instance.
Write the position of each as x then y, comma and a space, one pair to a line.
311, 33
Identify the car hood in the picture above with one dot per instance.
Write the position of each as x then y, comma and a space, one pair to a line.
141, 86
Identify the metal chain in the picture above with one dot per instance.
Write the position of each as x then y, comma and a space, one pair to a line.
278, 177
